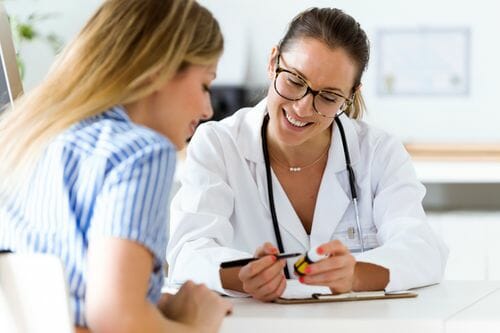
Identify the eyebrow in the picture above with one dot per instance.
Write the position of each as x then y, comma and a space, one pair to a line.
302, 76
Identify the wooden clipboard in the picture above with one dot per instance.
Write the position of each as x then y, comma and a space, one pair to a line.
348, 297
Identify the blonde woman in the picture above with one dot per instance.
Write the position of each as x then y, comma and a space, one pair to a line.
88, 158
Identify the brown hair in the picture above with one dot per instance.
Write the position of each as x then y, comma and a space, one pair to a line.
337, 30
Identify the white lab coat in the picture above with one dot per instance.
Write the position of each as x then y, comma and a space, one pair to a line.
221, 211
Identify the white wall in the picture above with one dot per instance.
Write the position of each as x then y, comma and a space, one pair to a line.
473, 118
252, 27
69, 17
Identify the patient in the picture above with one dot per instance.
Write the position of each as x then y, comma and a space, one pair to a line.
88, 158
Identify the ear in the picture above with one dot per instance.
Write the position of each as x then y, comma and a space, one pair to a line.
356, 89
271, 70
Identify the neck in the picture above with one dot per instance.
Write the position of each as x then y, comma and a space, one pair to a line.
302, 154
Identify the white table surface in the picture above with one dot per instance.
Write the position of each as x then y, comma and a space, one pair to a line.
481, 316
439, 308
457, 171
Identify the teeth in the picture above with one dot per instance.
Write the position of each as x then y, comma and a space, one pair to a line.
294, 122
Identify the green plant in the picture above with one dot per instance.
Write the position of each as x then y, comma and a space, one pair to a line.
26, 31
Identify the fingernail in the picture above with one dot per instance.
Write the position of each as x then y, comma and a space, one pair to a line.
320, 250
274, 258
308, 270
274, 250
301, 279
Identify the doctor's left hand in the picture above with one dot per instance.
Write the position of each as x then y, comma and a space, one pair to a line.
336, 271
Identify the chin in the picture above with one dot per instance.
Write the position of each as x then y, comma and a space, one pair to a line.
180, 145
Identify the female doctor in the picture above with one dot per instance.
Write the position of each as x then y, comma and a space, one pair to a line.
300, 171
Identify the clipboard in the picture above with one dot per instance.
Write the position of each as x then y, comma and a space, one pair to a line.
347, 297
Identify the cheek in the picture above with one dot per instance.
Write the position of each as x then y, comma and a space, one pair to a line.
325, 124
275, 101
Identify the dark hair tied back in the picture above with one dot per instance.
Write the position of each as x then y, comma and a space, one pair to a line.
337, 30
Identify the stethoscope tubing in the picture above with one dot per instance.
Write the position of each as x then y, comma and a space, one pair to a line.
352, 185
352, 180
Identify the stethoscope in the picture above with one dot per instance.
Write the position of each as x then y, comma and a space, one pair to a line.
352, 183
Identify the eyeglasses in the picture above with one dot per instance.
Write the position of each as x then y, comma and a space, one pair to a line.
293, 87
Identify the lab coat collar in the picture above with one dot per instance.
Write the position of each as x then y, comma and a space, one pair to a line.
332, 200
249, 139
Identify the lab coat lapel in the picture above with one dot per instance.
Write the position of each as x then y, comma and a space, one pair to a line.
334, 196
250, 143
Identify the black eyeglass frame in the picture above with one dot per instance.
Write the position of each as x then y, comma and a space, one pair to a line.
348, 101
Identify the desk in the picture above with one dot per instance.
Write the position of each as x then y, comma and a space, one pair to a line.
482, 316
456, 163
443, 172
452, 302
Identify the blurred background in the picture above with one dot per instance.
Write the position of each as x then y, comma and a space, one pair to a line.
432, 81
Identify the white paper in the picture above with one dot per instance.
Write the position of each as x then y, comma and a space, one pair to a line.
295, 289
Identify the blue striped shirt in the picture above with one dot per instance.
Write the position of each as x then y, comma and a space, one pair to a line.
103, 177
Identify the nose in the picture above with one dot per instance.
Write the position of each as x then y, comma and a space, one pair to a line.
304, 106
208, 112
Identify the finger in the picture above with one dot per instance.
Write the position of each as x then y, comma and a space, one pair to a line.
264, 277
227, 306
265, 249
331, 263
334, 247
328, 278
276, 291
186, 287
270, 286
342, 286
339, 285
255, 267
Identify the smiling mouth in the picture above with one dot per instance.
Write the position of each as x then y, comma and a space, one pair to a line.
294, 122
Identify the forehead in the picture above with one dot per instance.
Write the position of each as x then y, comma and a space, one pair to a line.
322, 66
200, 70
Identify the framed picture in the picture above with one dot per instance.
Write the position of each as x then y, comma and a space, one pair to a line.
424, 61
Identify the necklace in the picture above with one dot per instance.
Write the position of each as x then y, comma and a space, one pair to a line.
299, 168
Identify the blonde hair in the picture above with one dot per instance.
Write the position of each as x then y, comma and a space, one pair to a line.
125, 52
357, 108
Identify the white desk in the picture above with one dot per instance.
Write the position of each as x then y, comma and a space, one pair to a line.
439, 308
457, 172
482, 316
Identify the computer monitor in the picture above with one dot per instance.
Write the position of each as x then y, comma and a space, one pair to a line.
10, 81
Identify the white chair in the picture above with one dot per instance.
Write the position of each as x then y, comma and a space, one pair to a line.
33, 295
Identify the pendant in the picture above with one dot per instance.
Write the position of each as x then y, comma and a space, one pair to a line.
295, 169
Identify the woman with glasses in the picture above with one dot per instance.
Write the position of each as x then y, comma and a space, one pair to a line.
301, 171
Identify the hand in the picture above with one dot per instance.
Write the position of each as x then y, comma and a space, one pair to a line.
264, 279
196, 306
336, 271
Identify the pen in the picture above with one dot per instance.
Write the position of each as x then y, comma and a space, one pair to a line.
243, 262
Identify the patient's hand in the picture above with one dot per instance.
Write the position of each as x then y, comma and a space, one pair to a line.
196, 306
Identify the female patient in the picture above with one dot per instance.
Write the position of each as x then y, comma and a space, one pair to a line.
283, 174
88, 158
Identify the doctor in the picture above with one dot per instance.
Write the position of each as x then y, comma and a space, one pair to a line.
300, 171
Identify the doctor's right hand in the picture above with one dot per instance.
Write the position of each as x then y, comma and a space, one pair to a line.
264, 279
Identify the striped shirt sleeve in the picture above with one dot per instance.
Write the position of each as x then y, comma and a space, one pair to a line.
133, 203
